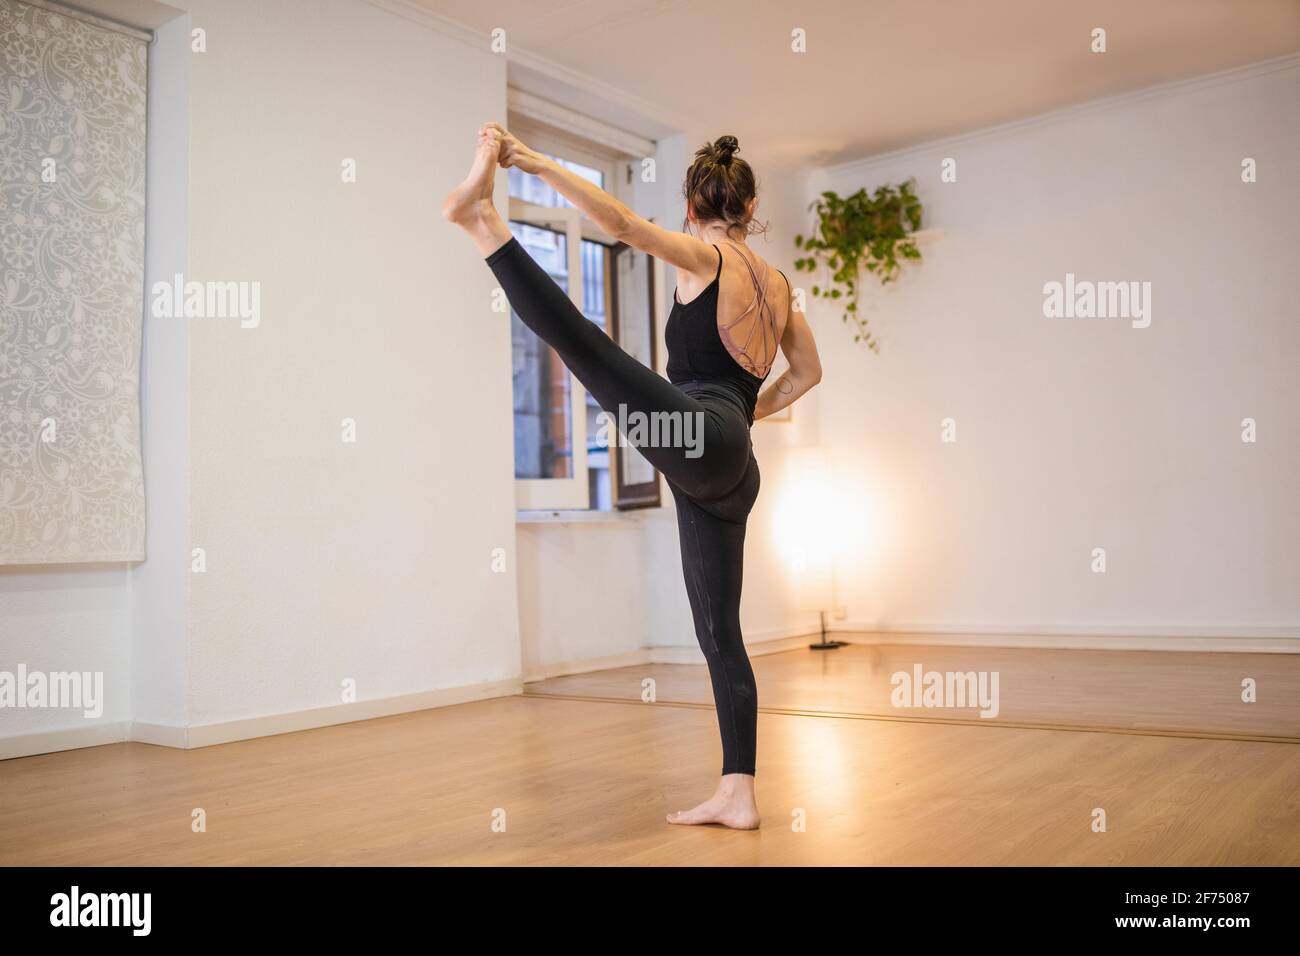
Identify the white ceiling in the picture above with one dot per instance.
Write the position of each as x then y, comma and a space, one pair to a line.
878, 74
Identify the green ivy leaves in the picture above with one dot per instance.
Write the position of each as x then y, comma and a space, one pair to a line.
862, 230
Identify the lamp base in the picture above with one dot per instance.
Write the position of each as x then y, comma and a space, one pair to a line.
823, 644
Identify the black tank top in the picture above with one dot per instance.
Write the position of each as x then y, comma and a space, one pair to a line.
698, 361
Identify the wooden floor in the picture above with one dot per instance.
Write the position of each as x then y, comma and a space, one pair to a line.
1161, 691
589, 782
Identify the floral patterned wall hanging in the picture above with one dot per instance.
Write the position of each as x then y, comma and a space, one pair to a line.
72, 189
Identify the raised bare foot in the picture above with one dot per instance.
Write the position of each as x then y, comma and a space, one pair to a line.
472, 199
731, 806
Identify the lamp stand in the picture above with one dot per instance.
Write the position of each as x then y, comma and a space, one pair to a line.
823, 644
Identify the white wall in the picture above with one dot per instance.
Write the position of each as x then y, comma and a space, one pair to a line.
329, 561
581, 594
125, 621
56, 618
160, 585
1076, 433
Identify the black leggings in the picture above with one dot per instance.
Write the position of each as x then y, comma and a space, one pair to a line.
714, 490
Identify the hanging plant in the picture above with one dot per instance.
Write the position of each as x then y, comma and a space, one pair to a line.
871, 231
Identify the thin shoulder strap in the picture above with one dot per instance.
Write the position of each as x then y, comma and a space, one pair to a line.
760, 328
760, 287
789, 295
718, 274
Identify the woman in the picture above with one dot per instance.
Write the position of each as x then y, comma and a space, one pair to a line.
729, 313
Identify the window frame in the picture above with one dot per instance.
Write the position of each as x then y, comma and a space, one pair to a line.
572, 493
569, 493
641, 494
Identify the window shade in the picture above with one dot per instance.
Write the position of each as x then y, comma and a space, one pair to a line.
72, 187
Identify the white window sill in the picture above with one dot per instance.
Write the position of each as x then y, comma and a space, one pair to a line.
576, 517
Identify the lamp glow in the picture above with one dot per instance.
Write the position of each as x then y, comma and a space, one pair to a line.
808, 531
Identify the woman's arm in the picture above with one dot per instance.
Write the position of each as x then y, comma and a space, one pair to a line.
805, 367
683, 251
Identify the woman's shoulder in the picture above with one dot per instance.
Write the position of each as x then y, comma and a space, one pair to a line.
744, 262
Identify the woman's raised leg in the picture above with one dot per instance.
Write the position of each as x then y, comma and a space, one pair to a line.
470, 205
705, 458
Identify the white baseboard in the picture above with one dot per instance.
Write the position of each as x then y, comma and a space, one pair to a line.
224, 732
162, 735
52, 741
771, 641
207, 735
777, 640
586, 665
1247, 640
774, 641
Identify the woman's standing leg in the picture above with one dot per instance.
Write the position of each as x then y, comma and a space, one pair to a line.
712, 554
712, 537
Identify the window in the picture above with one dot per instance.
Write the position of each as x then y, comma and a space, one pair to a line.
533, 190
562, 458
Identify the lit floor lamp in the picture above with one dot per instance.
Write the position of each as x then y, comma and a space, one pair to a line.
814, 521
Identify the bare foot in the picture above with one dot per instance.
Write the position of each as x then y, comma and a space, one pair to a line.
470, 202
732, 805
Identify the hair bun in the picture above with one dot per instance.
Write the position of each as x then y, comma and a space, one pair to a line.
723, 147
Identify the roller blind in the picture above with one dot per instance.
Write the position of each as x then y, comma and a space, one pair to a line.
72, 188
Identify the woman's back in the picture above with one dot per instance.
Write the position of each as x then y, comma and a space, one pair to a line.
728, 332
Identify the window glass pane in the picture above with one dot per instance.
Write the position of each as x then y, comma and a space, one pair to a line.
542, 401
636, 331
544, 432
531, 189
595, 306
